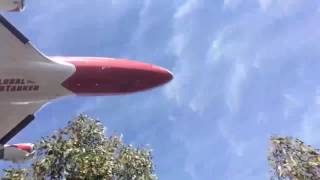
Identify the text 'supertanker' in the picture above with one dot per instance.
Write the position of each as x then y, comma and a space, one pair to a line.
17, 85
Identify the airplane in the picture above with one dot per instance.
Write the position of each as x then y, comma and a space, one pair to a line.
29, 80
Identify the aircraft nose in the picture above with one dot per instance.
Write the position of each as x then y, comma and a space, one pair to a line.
103, 76
156, 76
163, 75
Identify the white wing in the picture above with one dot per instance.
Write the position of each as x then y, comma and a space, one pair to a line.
15, 51
15, 117
15, 48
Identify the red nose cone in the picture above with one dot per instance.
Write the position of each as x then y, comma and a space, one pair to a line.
103, 76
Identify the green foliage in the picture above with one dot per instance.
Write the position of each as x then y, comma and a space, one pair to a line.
16, 174
292, 159
83, 151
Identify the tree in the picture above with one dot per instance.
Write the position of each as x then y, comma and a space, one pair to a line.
291, 159
83, 151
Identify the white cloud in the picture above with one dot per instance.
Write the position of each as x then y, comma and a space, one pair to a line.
310, 123
236, 146
310, 127
232, 4
234, 88
90, 104
265, 4
186, 8
178, 43
281, 7
215, 53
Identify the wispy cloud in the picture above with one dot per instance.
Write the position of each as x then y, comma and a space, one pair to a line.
250, 61
281, 8
311, 119
186, 8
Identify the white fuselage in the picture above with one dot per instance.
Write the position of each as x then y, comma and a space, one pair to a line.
35, 81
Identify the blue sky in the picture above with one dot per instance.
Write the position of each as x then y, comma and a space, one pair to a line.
244, 70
